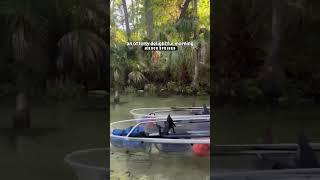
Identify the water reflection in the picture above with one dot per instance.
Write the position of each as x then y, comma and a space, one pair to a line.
57, 129
155, 166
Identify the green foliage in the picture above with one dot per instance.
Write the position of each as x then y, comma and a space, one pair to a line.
251, 89
242, 66
172, 87
130, 90
65, 91
82, 47
204, 14
150, 88
118, 63
185, 90
202, 93
185, 27
136, 77
52, 37
140, 67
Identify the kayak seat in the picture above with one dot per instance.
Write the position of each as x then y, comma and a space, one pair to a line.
138, 132
117, 132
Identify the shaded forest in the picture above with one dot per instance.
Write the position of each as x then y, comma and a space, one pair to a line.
183, 72
53, 49
265, 52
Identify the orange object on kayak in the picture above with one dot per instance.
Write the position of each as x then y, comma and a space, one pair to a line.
201, 149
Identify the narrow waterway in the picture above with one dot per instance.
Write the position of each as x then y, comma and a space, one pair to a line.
155, 167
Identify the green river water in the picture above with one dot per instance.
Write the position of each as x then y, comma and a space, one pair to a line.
58, 129
157, 167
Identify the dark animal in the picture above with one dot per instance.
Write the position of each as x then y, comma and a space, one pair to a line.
205, 110
306, 156
169, 124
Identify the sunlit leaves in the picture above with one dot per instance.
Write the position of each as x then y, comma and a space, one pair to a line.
120, 37
185, 28
164, 23
166, 27
204, 14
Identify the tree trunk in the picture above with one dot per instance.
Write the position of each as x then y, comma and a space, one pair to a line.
149, 18
196, 54
123, 21
116, 97
274, 71
133, 14
195, 82
21, 117
116, 78
137, 10
126, 18
184, 8
112, 7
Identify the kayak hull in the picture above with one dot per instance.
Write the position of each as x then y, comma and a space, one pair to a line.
164, 111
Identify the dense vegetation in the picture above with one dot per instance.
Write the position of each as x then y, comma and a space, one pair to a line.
56, 40
185, 71
266, 52
52, 48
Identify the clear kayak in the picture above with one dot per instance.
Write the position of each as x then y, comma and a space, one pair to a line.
287, 174
89, 163
173, 111
286, 161
190, 135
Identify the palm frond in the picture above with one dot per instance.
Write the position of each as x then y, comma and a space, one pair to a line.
20, 43
136, 77
83, 47
25, 25
87, 13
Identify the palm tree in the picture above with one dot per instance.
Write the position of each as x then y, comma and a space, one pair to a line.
26, 30
136, 77
83, 45
118, 64
196, 53
28, 38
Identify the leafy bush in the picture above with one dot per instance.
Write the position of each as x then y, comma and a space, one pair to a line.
185, 90
189, 90
67, 90
150, 88
130, 90
251, 89
163, 92
172, 87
